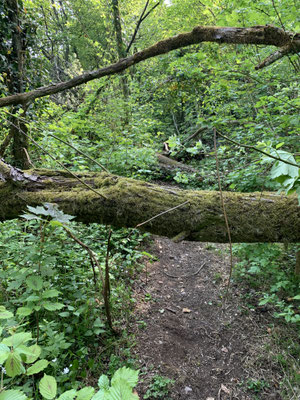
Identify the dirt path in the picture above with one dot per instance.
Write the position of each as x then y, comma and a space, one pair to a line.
210, 353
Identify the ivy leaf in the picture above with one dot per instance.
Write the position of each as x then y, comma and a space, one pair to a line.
37, 367
48, 387
12, 395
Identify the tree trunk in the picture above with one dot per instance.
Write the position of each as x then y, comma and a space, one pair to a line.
253, 217
16, 83
121, 54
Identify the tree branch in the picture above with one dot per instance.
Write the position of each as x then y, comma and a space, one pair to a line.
261, 35
246, 146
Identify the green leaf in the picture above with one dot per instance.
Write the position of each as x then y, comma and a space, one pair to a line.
50, 293
22, 349
30, 217
48, 387
17, 339
129, 375
121, 391
68, 395
103, 382
12, 395
296, 297
52, 306
85, 393
24, 311
34, 282
37, 367
4, 352
4, 314
101, 395
13, 365
35, 353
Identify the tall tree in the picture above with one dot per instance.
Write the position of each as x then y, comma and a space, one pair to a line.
13, 47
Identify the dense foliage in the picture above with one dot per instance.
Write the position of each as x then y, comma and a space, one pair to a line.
173, 101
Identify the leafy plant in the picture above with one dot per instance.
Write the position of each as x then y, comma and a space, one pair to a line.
158, 388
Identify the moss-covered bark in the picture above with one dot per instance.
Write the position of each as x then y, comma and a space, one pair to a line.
253, 217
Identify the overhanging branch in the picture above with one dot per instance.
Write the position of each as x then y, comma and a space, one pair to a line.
259, 35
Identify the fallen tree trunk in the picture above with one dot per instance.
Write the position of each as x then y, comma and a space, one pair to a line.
253, 217
169, 165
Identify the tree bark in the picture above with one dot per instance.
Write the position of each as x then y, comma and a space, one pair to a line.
259, 35
168, 165
15, 82
253, 217
121, 54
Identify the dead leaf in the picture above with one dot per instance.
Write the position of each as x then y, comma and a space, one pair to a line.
186, 310
225, 389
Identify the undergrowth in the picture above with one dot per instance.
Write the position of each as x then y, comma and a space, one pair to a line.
53, 288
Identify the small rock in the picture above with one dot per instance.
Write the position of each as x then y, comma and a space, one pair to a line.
188, 389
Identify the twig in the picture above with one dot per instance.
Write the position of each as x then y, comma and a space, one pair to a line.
162, 213
258, 150
28, 158
187, 275
278, 15
141, 19
106, 287
224, 211
93, 258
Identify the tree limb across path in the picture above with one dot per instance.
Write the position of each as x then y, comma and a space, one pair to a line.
260, 35
253, 217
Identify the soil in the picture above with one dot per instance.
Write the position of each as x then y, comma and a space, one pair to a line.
211, 351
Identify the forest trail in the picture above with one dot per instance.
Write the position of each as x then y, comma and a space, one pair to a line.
210, 352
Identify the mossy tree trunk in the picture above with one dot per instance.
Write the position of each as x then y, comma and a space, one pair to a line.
253, 217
